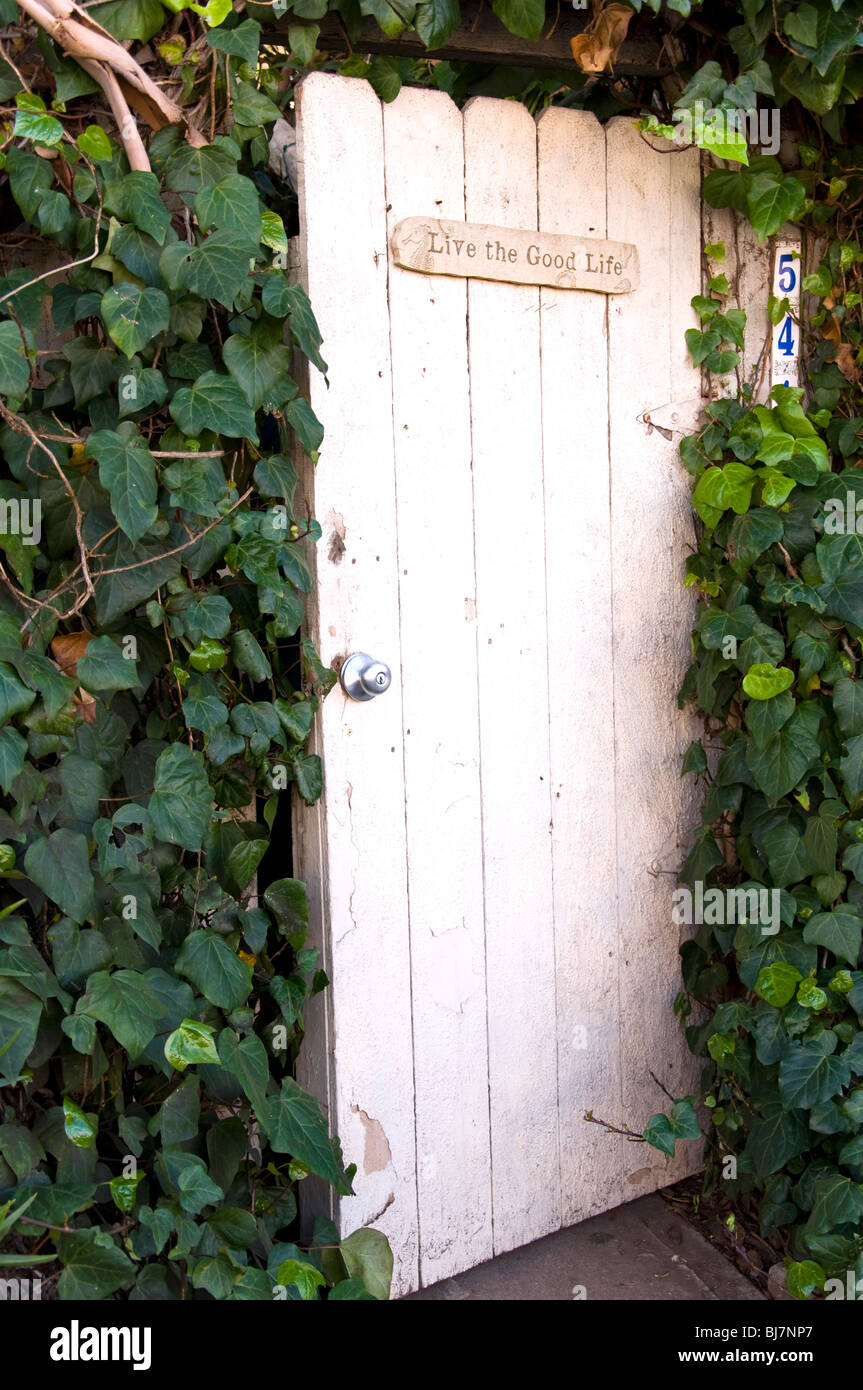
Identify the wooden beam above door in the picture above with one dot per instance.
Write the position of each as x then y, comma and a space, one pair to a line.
483, 39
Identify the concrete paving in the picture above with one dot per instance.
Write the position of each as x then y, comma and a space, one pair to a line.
643, 1250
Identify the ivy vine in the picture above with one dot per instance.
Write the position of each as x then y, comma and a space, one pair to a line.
156, 696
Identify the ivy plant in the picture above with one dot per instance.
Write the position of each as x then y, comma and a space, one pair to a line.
156, 698
776, 1011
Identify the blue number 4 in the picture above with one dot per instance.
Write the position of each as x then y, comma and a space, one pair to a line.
785, 341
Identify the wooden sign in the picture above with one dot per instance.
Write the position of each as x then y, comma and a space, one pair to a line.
435, 247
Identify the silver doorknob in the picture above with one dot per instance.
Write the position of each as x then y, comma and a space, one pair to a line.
362, 678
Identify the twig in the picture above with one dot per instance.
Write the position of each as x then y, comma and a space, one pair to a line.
88, 41
60, 269
629, 1134
188, 453
166, 554
21, 427
8, 61
794, 573
662, 1088
126, 125
31, 1221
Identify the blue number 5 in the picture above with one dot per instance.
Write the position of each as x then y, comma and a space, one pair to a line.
787, 275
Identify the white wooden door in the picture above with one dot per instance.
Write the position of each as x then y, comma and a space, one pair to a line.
490, 865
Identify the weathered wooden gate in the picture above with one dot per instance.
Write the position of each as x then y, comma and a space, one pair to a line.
504, 527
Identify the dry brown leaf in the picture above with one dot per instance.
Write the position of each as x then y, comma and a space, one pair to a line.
68, 650
831, 330
85, 703
845, 361
596, 49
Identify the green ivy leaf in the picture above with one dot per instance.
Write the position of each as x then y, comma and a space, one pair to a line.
127, 1004
30, 178
249, 656
303, 40
104, 667
59, 864
187, 170
385, 76
242, 863
80, 1129
142, 204
124, 1191
776, 1135
525, 18
369, 1258
208, 961
94, 142
192, 1042
214, 11
247, 1061
93, 368
784, 760
772, 201
37, 125
777, 983
94, 1266
275, 476
234, 205
804, 1277
181, 805
233, 1227
287, 900
306, 425
436, 21
13, 751
128, 470
660, 1135
809, 1073
218, 268
252, 107
195, 1187
308, 776
20, 1015
14, 367
303, 1276
214, 402
848, 704
838, 1201
764, 682
261, 369
241, 42
295, 1125
840, 931
15, 698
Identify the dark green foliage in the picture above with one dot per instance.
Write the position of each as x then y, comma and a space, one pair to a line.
778, 661
155, 702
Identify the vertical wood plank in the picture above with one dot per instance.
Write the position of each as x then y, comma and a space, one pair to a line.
685, 272
359, 861
437, 593
747, 266
571, 187
504, 358
652, 615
